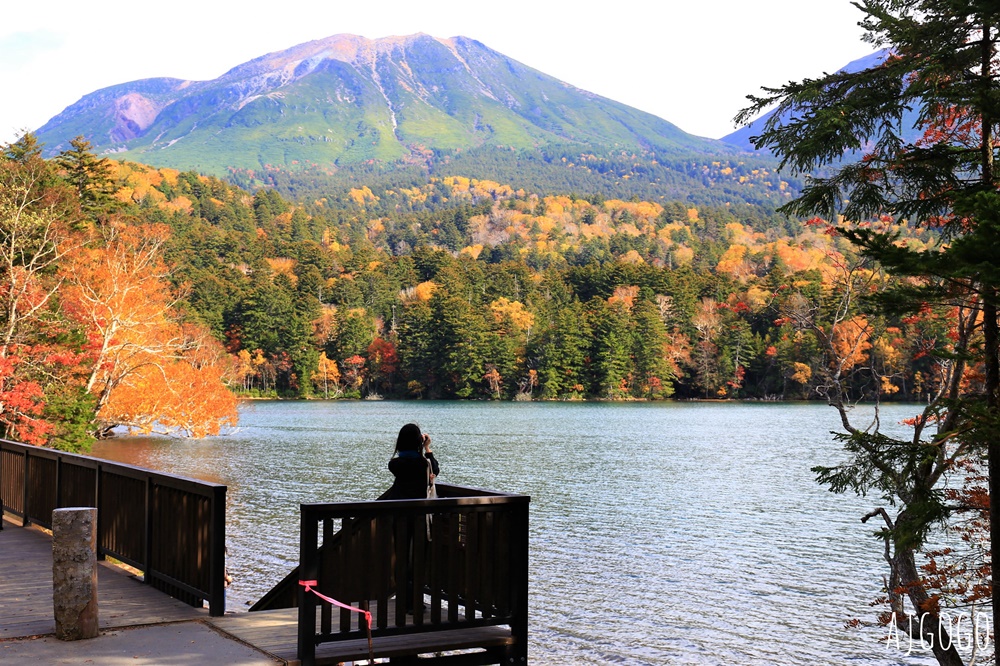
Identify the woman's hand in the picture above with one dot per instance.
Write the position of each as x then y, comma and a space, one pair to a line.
427, 444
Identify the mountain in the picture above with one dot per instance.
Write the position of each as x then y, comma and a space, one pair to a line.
346, 100
741, 137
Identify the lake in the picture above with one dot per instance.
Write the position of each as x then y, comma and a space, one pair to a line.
661, 533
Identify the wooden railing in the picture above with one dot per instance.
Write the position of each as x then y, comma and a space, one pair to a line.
469, 565
171, 528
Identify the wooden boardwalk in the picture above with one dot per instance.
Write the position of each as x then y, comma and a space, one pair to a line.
124, 601
26, 590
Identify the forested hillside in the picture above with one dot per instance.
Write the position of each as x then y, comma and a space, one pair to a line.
465, 288
744, 182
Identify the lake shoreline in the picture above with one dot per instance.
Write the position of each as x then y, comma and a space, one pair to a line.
537, 401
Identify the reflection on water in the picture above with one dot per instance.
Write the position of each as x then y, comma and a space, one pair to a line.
660, 533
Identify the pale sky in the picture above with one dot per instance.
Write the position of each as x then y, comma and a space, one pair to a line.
691, 62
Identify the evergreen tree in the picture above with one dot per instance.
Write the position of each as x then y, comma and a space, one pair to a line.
562, 353
417, 349
462, 344
940, 80
89, 175
653, 374
612, 349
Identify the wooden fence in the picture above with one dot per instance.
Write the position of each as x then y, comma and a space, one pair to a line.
171, 528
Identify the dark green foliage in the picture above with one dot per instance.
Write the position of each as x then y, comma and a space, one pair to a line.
89, 175
419, 356
611, 350
72, 410
653, 375
563, 353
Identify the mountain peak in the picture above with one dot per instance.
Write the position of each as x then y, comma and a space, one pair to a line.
741, 137
344, 47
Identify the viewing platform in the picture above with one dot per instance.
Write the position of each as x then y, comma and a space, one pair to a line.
463, 558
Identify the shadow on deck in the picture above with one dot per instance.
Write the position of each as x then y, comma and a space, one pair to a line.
26, 590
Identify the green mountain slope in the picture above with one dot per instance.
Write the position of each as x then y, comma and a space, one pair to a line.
347, 100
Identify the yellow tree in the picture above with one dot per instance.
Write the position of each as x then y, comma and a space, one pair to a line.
327, 376
149, 372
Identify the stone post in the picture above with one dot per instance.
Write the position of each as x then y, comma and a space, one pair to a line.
74, 572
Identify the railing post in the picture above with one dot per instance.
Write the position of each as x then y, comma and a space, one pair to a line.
519, 565
308, 570
148, 531
59, 488
217, 554
101, 521
24, 501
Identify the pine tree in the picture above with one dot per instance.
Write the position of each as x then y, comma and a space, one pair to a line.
89, 175
612, 349
563, 352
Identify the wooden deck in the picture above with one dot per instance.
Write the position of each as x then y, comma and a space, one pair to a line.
124, 601
275, 632
26, 590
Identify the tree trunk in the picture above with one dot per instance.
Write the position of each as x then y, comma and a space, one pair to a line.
991, 345
926, 626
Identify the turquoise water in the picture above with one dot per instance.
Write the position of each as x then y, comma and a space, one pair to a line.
676, 533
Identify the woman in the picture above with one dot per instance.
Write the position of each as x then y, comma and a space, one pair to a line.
414, 467
413, 464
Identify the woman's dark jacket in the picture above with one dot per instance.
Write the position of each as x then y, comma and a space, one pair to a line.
410, 470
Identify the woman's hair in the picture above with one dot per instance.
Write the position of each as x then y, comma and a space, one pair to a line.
409, 438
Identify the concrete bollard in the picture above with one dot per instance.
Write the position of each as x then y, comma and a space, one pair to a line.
74, 572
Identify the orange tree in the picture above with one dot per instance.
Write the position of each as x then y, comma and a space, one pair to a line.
90, 337
148, 370
913, 139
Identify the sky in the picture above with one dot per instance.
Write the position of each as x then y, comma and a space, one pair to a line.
690, 62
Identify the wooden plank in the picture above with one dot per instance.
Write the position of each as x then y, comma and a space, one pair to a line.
415, 644
487, 581
274, 633
454, 559
402, 554
470, 589
326, 609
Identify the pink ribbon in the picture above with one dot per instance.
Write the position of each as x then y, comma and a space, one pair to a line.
310, 587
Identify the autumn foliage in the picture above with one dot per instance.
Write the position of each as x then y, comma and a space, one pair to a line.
93, 338
496, 293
